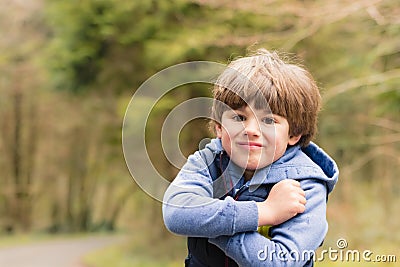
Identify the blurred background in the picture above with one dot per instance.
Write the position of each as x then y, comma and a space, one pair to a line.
68, 69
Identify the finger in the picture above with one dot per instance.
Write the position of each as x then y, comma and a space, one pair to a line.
294, 182
302, 193
303, 200
301, 208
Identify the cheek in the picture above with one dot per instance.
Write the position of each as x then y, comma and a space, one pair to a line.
281, 142
229, 130
234, 129
226, 142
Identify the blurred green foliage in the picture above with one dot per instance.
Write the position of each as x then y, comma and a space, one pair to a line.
69, 68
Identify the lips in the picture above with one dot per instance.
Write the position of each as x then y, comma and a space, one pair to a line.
250, 144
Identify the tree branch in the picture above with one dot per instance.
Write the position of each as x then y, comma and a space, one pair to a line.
362, 81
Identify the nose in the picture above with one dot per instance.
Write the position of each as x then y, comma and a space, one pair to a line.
252, 127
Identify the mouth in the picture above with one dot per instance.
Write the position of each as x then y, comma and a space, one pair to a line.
250, 145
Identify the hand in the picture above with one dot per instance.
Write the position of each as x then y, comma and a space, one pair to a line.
285, 201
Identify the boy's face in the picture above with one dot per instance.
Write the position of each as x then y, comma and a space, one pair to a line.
254, 138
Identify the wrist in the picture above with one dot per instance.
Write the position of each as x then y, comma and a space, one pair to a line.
264, 214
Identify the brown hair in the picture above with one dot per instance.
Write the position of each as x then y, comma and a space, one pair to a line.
266, 81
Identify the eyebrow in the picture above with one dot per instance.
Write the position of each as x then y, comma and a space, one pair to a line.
263, 112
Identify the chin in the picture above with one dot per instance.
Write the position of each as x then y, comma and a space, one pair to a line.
252, 167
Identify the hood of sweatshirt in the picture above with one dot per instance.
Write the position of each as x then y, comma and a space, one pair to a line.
297, 163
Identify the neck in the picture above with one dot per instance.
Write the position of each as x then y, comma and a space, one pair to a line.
248, 174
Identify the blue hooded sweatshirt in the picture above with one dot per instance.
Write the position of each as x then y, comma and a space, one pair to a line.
195, 205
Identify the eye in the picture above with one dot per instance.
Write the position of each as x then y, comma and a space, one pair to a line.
238, 117
268, 120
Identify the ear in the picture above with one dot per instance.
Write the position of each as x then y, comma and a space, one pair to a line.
218, 130
293, 139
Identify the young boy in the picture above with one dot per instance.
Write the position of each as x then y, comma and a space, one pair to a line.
261, 170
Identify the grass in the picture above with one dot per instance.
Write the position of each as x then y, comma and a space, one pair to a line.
118, 257
29, 238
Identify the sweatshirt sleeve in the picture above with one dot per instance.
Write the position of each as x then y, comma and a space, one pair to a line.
189, 207
293, 242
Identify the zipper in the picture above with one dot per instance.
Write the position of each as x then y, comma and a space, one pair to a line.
235, 197
240, 191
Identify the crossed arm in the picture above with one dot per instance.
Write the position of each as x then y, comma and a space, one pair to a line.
232, 225
293, 242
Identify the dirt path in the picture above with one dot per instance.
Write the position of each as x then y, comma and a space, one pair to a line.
60, 253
